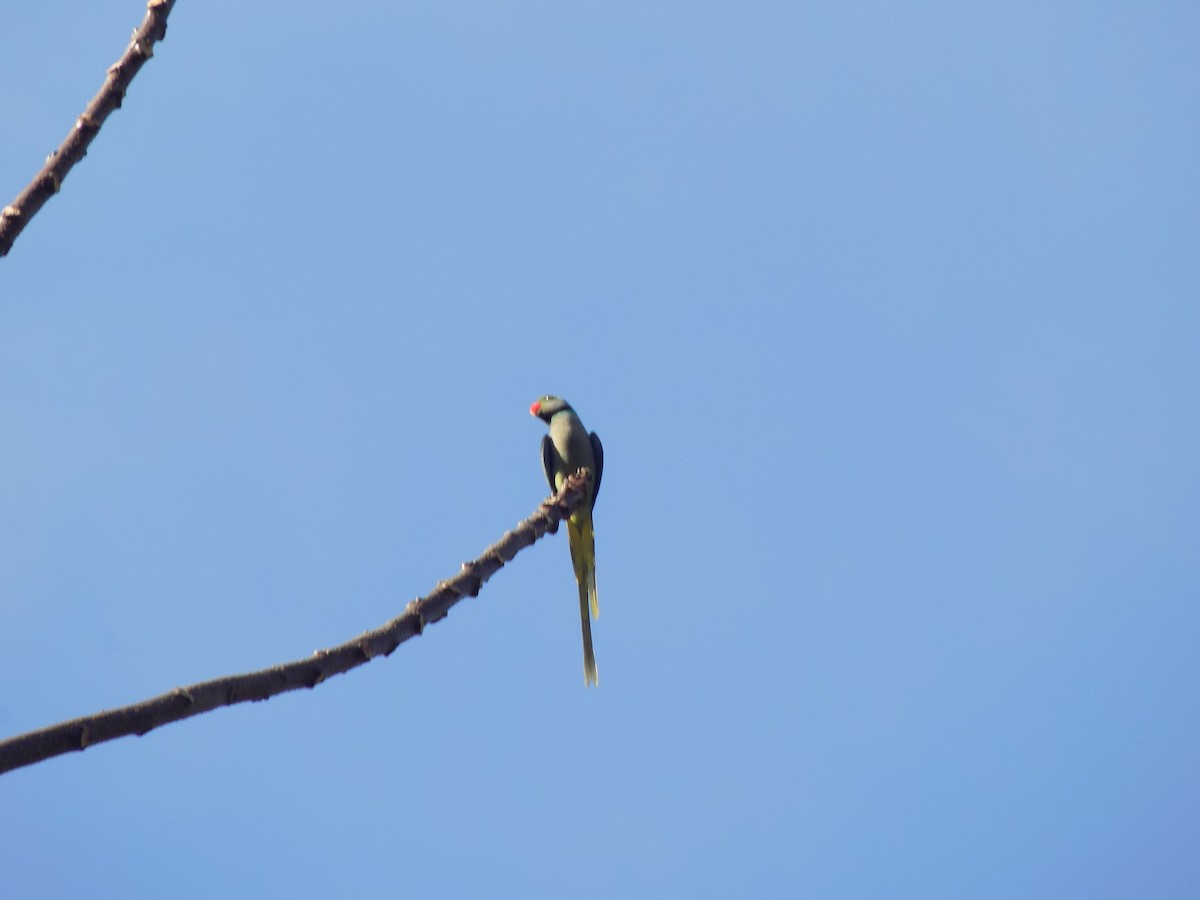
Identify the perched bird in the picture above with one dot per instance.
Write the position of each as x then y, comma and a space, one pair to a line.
565, 450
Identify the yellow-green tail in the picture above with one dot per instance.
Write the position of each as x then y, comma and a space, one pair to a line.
583, 557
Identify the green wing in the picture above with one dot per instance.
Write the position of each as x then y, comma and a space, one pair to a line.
598, 455
548, 459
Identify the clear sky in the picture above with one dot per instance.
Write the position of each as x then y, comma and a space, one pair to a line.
888, 316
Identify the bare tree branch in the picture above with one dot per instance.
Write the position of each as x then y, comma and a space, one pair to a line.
46, 183
185, 702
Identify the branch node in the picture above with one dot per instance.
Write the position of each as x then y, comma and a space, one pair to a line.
143, 46
473, 579
414, 609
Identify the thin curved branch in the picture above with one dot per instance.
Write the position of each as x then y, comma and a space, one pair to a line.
46, 183
185, 702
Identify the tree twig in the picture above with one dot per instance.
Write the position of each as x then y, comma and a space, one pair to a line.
182, 703
46, 183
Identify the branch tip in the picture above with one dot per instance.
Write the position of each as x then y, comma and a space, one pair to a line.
73, 148
184, 702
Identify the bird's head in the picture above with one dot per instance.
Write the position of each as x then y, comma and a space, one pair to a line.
545, 407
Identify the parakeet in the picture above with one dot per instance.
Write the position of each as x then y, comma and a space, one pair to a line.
566, 449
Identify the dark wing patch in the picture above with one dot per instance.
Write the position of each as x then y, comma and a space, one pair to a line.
548, 455
598, 454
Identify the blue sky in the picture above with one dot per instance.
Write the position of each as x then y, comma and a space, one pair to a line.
888, 316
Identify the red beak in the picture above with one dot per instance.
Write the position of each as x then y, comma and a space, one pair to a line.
536, 408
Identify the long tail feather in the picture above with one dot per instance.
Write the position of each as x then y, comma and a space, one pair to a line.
590, 675
583, 557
